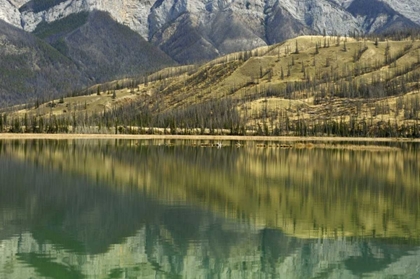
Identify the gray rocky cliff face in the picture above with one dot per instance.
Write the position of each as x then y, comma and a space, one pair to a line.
190, 30
9, 13
226, 26
145, 16
408, 8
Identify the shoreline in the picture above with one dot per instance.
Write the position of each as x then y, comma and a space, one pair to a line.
11, 136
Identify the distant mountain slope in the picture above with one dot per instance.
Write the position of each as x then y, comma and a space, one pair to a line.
281, 19
197, 30
236, 26
377, 16
102, 40
84, 49
103, 48
30, 68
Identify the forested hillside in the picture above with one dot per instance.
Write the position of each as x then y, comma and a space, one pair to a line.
71, 54
312, 85
30, 68
102, 48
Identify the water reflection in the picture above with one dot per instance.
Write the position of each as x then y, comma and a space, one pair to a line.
118, 209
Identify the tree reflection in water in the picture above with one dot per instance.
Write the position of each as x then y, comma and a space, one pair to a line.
77, 209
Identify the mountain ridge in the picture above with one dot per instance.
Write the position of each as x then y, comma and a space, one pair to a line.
243, 25
181, 32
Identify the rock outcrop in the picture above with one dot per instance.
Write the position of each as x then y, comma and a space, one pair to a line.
9, 13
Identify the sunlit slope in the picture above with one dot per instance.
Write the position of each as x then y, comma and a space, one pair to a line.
310, 78
306, 193
304, 81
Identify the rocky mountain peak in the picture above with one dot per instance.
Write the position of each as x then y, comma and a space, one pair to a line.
190, 30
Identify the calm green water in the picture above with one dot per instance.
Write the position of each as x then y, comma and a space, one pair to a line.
143, 209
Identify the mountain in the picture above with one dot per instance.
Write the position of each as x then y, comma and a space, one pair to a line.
30, 68
105, 40
195, 30
377, 16
409, 9
101, 47
69, 54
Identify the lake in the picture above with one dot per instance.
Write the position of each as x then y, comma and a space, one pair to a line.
183, 209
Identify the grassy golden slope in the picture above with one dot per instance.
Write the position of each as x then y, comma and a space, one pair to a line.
259, 80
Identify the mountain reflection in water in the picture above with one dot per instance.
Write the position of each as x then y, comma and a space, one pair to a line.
130, 209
